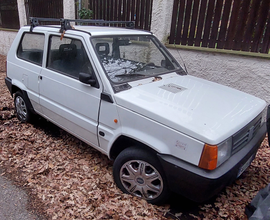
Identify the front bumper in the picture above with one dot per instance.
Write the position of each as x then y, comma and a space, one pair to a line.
200, 185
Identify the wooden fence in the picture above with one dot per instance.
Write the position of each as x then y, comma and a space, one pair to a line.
44, 9
225, 24
123, 10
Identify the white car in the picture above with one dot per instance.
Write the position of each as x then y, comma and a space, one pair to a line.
120, 91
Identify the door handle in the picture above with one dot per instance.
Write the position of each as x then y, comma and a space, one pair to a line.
40, 77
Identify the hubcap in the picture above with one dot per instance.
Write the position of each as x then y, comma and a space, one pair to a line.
21, 108
141, 179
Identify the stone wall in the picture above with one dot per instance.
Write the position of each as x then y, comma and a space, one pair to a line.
6, 39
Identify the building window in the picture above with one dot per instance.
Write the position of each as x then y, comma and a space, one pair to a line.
9, 16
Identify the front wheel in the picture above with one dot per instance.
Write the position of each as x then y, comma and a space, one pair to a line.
137, 172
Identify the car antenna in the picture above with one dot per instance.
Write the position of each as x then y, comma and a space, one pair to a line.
180, 57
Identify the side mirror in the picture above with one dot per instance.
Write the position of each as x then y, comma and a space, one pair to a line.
87, 79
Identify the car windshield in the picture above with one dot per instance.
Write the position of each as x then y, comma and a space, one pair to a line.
131, 58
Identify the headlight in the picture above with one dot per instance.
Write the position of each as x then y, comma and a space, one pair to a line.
224, 151
214, 155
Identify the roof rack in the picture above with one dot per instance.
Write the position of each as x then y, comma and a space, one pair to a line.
65, 23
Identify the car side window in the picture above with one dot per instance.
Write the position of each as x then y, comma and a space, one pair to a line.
31, 48
68, 56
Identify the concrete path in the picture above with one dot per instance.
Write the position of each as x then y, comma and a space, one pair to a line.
13, 202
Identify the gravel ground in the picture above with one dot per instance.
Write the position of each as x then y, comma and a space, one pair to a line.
66, 179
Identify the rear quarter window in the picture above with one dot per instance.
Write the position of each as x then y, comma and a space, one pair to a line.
31, 48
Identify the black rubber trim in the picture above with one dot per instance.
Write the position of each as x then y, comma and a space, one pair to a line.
8, 82
28, 103
106, 97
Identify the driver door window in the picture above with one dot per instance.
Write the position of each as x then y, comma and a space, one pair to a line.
68, 56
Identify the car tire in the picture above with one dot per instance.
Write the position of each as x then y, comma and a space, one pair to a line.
137, 172
22, 108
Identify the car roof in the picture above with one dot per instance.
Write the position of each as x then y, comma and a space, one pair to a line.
97, 30
94, 30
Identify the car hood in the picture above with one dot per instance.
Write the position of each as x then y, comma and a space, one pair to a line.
204, 110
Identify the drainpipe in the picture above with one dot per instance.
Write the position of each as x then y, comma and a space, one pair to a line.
80, 4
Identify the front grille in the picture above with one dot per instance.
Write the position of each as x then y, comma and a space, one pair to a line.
241, 138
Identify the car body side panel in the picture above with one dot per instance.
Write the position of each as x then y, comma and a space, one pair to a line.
26, 79
110, 126
160, 137
70, 104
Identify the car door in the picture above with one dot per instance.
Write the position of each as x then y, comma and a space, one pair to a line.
64, 99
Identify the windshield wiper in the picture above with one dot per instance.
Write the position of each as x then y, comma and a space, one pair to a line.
145, 66
130, 74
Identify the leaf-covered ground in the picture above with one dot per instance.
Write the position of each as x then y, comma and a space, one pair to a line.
69, 180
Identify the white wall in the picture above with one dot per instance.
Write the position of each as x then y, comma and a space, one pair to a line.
161, 18
22, 12
69, 9
6, 39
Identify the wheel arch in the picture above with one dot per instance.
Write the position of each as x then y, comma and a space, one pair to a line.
123, 142
15, 89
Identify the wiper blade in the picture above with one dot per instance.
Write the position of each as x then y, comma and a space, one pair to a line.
131, 74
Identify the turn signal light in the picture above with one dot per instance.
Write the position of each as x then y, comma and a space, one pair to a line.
209, 157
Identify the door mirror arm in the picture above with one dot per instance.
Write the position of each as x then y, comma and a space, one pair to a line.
87, 79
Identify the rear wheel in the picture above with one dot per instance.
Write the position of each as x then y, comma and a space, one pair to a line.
137, 172
22, 109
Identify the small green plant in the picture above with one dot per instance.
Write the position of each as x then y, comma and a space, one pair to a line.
85, 13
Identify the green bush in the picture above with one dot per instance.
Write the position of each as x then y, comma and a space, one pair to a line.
85, 13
